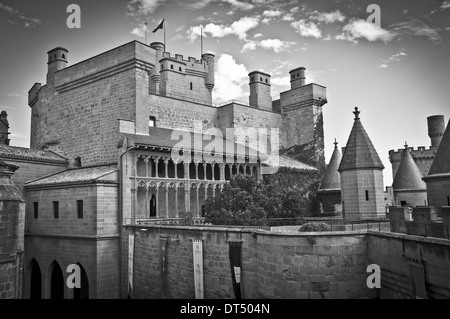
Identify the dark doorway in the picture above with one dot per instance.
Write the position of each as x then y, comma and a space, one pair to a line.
57, 282
153, 206
36, 280
83, 291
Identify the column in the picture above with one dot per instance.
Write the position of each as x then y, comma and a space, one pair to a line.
136, 159
222, 171
133, 201
166, 170
156, 159
157, 200
167, 201
214, 190
176, 200
147, 204
258, 171
186, 170
146, 166
204, 170
187, 197
196, 170
198, 203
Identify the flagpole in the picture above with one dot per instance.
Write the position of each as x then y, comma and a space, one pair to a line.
164, 27
201, 41
145, 26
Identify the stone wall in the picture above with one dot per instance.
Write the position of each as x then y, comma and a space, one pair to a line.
274, 265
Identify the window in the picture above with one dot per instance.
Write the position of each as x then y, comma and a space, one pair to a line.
260, 78
77, 161
36, 209
171, 66
56, 210
191, 85
266, 80
80, 208
179, 69
162, 66
448, 200
64, 56
152, 121
367, 195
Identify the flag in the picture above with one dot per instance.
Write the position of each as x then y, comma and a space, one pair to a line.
160, 26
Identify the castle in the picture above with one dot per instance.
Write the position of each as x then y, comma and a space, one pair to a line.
105, 152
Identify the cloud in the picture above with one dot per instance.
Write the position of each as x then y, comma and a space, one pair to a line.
294, 9
235, 4
397, 57
358, 28
13, 95
276, 44
142, 7
417, 27
238, 28
307, 29
327, 17
444, 6
139, 31
281, 81
230, 78
258, 35
288, 17
272, 13
28, 22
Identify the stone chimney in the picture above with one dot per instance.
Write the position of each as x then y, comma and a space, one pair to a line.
436, 129
4, 128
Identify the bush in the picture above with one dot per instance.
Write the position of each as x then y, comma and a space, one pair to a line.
313, 227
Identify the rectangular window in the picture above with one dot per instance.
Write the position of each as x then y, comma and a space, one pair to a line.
152, 121
367, 195
80, 208
36, 209
56, 210
448, 200
191, 86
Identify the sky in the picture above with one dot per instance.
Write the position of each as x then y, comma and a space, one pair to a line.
396, 70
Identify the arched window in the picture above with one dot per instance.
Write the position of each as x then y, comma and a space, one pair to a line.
64, 56
191, 86
179, 69
260, 78
56, 282
266, 81
83, 291
36, 280
162, 66
54, 56
253, 79
171, 66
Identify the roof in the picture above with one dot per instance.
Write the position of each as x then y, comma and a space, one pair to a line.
14, 152
75, 175
441, 162
286, 161
161, 138
332, 179
8, 191
408, 176
359, 151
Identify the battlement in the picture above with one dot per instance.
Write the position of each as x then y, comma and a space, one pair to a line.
430, 151
190, 63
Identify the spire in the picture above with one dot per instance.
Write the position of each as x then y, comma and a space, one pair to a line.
441, 162
331, 178
408, 176
359, 151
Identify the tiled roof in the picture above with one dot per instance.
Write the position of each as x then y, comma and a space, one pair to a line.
75, 175
161, 137
359, 151
8, 191
332, 179
408, 176
441, 162
15, 152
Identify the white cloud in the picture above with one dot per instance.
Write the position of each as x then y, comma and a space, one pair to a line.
358, 28
142, 7
235, 4
276, 44
258, 35
249, 46
281, 81
328, 17
272, 13
417, 27
238, 28
294, 9
444, 6
28, 22
397, 57
307, 29
288, 17
230, 78
139, 31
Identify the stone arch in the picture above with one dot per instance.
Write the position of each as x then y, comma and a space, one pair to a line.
83, 291
56, 281
35, 280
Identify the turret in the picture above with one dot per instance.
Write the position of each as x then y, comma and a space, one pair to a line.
260, 90
297, 77
4, 128
155, 73
209, 80
57, 60
436, 129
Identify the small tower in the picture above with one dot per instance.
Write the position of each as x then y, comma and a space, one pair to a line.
361, 172
329, 193
438, 179
57, 60
155, 75
436, 129
209, 80
4, 128
260, 90
408, 186
297, 77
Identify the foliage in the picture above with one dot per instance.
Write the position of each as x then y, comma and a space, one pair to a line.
287, 194
313, 226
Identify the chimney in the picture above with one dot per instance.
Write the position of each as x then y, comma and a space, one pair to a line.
297, 77
4, 128
57, 60
436, 129
260, 90
209, 80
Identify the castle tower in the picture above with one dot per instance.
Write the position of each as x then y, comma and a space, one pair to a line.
155, 75
329, 193
12, 231
57, 60
209, 79
436, 129
302, 119
361, 172
4, 128
408, 186
297, 77
438, 179
260, 90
